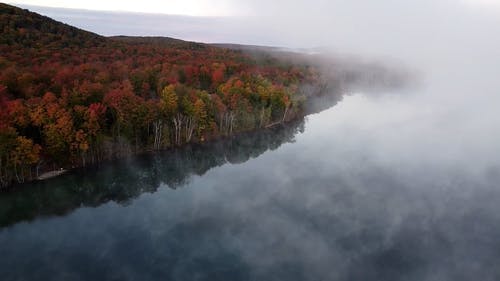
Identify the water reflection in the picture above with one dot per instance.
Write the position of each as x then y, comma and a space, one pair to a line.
124, 180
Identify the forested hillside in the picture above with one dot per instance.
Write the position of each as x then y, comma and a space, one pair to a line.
69, 97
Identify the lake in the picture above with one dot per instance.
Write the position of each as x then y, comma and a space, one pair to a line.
386, 186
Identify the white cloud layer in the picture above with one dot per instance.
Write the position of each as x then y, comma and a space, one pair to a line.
173, 7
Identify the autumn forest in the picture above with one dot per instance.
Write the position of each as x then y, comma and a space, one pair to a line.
71, 98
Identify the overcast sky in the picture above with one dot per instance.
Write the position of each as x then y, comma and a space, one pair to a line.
236, 7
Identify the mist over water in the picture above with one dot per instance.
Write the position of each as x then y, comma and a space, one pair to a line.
386, 195
339, 200
398, 184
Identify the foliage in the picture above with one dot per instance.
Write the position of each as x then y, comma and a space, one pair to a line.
71, 97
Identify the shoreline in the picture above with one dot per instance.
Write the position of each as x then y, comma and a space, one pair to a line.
51, 174
327, 100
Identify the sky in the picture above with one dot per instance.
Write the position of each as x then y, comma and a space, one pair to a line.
174, 7
209, 8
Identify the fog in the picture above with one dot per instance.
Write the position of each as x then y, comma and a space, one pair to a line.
398, 185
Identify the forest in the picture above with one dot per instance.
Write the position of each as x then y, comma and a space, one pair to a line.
71, 98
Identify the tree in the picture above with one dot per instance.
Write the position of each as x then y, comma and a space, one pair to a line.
8, 137
58, 135
24, 154
170, 107
200, 115
80, 145
126, 109
155, 118
17, 113
169, 101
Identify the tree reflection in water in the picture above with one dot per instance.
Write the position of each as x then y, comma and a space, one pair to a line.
123, 180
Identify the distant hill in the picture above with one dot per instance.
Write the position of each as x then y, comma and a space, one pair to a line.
160, 41
28, 29
21, 27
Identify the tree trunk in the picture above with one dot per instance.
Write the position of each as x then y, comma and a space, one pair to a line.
190, 126
284, 114
231, 121
157, 125
178, 127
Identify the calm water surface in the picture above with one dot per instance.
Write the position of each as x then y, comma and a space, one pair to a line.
386, 187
